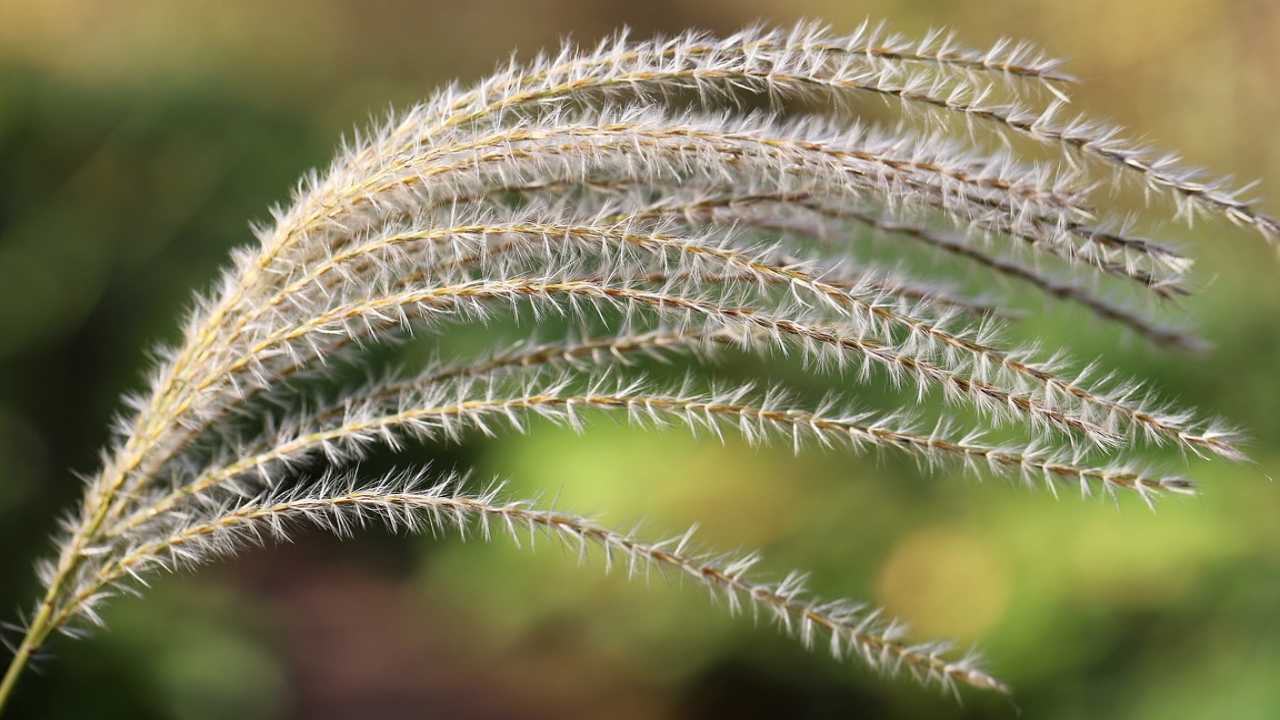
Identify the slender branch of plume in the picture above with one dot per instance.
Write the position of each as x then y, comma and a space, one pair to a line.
627, 191
407, 503
429, 409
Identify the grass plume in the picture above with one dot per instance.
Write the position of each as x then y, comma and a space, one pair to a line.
628, 188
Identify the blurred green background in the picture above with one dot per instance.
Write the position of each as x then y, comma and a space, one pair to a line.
137, 139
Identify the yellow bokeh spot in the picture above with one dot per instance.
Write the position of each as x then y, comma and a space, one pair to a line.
946, 582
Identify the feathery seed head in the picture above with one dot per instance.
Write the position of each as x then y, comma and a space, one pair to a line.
624, 190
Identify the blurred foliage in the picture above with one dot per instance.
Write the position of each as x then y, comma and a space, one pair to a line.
136, 140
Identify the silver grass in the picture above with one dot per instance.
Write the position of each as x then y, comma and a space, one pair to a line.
627, 189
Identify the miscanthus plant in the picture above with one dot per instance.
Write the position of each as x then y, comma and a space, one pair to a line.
689, 196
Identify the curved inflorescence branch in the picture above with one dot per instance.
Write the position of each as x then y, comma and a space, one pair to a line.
405, 502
